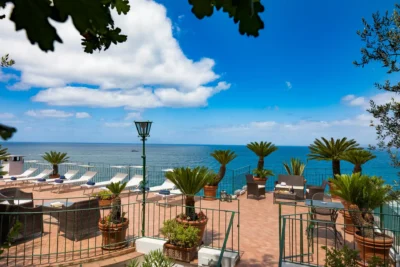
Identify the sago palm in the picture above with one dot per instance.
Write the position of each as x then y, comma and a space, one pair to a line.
331, 150
55, 158
3, 156
116, 189
190, 182
262, 150
296, 167
223, 157
358, 158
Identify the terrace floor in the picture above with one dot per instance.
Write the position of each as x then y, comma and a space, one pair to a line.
259, 230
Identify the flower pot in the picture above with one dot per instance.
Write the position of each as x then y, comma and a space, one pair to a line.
178, 253
201, 225
370, 247
210, 192
113, 235
349, 226
260, 181
105, 203
52, 176
332, 187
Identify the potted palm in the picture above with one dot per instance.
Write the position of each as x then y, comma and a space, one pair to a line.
114, 225
361, 203
260, 176
296, 167
331, 150
262, 150
223, 157
55, 158
190, 182
358, 158
182, 240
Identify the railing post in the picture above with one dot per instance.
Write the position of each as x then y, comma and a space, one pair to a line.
281, 242
381, 217
301, 239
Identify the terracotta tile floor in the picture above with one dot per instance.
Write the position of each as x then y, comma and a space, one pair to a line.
259, 239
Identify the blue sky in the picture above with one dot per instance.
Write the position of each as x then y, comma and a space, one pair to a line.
200, 81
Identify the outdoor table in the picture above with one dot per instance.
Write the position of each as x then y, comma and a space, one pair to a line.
48, 208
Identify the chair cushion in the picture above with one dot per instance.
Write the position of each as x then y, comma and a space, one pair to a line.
90, 183
62, 177
164, 192
13, 178
59, 181
41, 180
261, 186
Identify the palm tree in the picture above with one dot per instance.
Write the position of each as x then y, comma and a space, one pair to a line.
3, 156
332, 150
116, 189
190, 182
262, 150
358, 158
223, 157
296, 167
55, 158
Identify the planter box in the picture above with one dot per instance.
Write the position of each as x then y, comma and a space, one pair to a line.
207, 256
180, 254
145, 245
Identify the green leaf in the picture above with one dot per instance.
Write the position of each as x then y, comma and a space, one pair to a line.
6, 132
122, 6
202, 8
32, 16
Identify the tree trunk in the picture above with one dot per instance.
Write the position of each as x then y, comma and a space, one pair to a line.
221, 173
189, 203
357, 168
55, 169
260, 164
336, 168
116, 210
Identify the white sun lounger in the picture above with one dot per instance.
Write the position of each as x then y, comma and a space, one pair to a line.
25, 174
167, 185
119, 177
173, 193
132, 184
83, 179
41, 175
68, 176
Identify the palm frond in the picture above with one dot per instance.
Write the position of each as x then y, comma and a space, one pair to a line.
55, 158
358, 157
331, 149
262, 149
116, 188
190, 181
224, 156
296, 167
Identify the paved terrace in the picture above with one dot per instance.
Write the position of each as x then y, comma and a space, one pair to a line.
259, 227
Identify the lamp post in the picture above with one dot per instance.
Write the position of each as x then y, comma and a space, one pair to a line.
143, 128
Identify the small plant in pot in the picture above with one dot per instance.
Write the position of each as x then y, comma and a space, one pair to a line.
190, 182
261, 176
363, 194
104, 197
182, 240
55, 159
223, 157
114, 225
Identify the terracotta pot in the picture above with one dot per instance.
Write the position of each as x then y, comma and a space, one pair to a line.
368, 247
210, 192
178, 253
54, 176
260, 181
332, 187
349, 226
201, 225
104, 203
113, 235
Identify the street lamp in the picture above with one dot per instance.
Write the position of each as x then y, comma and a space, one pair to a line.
143, 128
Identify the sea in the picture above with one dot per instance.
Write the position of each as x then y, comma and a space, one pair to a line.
161, 156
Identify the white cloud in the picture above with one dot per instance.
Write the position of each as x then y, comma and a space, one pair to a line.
50, 113
6, 115
82, 115
348, 98
5, 77
364, 101
262, 124
151, 57
288, 85
133, 116
359, 101
118, 124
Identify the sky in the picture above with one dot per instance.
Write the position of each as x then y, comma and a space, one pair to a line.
199, 81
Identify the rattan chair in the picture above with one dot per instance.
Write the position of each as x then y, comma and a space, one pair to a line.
311, 190
80, 219
253, 188
25, 199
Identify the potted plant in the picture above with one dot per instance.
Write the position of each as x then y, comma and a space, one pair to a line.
113, 226
260, 176
190, 182
262, 150
155, 258
296, 167
223, 157
331, 150
104, 197
344, 257
182, 240
358, 158
363, 194
55, 158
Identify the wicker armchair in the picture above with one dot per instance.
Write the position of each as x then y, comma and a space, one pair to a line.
311, 190
80, 219
253, 188
25, 199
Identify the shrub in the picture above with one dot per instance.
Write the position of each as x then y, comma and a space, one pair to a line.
180, 235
